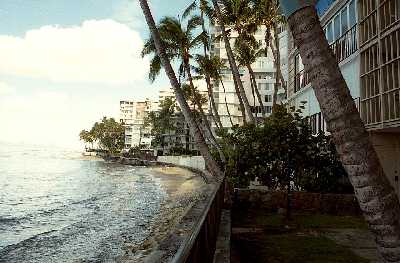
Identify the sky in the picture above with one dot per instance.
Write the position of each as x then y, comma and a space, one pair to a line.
65, 64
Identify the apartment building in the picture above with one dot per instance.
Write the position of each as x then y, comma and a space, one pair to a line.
132, 115
263, 68
179, 137
365, 37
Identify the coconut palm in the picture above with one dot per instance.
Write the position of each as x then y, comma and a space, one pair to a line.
179, 41
222, 19
205, 69
205, 11
247, 50
215, 67
267, 13
164, 52
377, 198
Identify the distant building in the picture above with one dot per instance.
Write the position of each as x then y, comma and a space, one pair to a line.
179, 136
132, 115
365, 37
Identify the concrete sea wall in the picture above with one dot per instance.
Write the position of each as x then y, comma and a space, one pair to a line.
196, 162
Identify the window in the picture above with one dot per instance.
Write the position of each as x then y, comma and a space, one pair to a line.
336, 23
268, 109
344, 20
352, 13
329, 33
298, 64
268, 98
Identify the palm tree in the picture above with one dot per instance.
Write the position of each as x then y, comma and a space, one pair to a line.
203, 61
377, 198
247, 50
232, 63
267, 13
205, 68
217, 66
178, 42
164, 58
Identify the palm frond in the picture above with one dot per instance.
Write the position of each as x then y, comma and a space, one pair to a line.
155, 68
193, 23
189, 10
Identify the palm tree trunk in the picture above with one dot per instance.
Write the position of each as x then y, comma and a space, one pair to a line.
226, 103
377, 198
277, 63
198, 137
206, 123
241, 104
253, 80
212, 101
232, 63
277, 58
208, 80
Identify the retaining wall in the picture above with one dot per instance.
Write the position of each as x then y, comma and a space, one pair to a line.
196, 162
334, 204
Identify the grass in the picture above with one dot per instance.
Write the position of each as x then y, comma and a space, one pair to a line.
291, 248
301, 243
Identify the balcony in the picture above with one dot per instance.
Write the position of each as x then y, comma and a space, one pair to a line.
302, 80
342, 48
346, 45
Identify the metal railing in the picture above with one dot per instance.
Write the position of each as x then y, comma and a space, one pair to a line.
342, 48
199, 246
301, 80
346, 45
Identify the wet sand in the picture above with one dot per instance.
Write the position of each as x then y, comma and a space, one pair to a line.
183, 188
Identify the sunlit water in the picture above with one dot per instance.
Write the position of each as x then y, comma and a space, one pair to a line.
57, 207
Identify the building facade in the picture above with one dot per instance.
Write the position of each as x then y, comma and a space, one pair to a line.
263, 68
365, 37
132, 115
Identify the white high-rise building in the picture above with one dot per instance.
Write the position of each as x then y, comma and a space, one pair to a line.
263, 68
132, 115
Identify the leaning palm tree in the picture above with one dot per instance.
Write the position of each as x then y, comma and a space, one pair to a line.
222, 18
377, 198
205, 68
164, 58
247, 50
217, 67
203, 61
267, 13
179, 41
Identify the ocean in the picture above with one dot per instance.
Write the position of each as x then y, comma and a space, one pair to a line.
57, 206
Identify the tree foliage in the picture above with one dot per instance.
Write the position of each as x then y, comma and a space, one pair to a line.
107, 134
282, 151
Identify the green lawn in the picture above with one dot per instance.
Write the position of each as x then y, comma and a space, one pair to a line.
291, 248
300, 243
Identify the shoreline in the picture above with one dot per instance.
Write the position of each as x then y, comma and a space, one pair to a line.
184, 188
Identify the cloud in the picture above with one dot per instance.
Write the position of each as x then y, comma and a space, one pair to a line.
98, 51
5, 89
128, 12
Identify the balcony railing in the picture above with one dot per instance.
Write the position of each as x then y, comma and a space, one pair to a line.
301, 81
346, 45
342, 48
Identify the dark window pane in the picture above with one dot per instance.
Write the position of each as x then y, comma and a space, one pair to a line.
344, 20
352, 13
329, 33
337, 26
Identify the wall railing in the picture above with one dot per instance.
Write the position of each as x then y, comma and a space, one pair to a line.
199, 245
346, 45
342, 48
